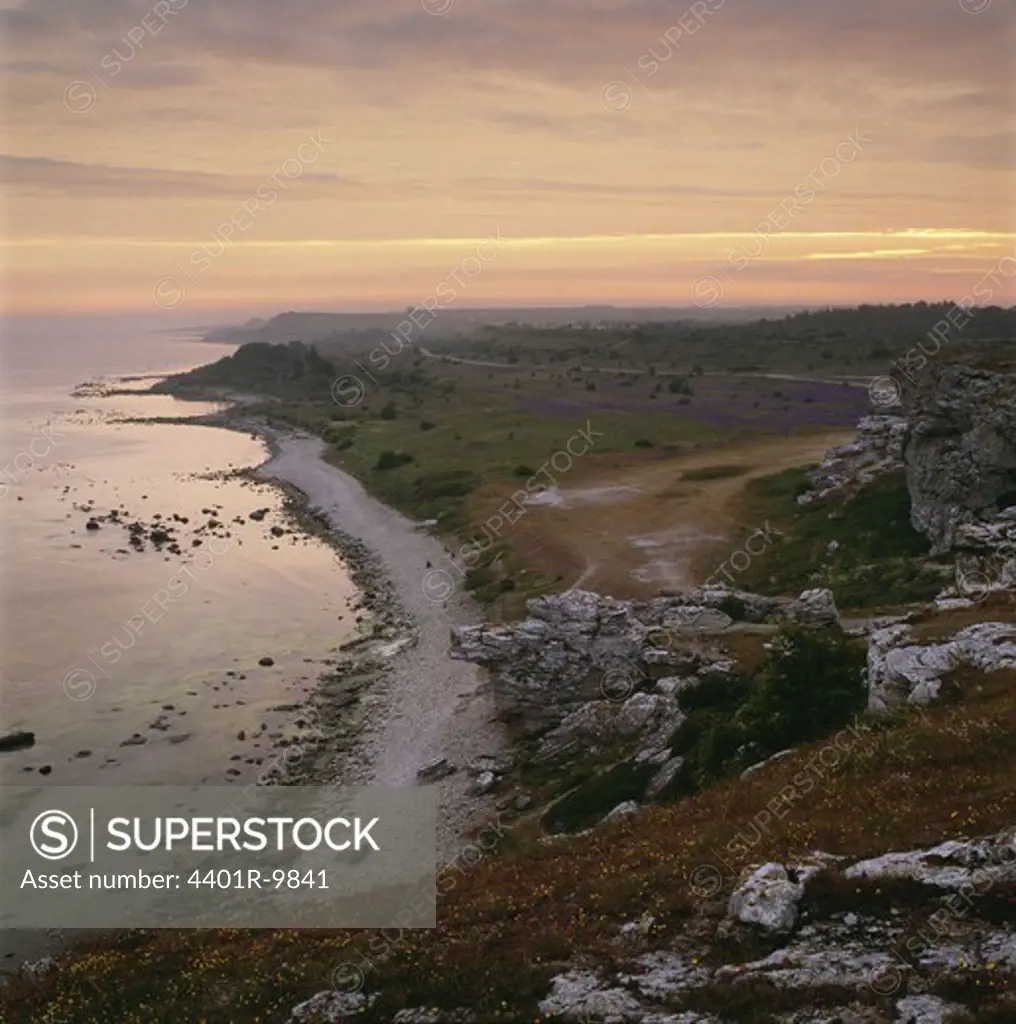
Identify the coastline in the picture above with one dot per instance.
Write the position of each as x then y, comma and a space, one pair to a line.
394, 701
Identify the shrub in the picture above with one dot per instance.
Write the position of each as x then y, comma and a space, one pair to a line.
392, 460
389, 412
644, 442
734, 607
809, 685
523, 470
592, 800
455, 483
427, 425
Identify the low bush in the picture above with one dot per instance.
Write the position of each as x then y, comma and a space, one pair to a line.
392, 460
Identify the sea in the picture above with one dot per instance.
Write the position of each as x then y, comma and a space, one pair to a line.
133, 665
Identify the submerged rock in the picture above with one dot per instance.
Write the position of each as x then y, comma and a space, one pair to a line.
20, 739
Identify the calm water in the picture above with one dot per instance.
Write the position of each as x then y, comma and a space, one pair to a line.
101, 645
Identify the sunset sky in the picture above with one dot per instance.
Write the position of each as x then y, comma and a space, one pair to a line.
817, 150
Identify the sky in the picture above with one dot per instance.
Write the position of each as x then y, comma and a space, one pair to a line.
354, 154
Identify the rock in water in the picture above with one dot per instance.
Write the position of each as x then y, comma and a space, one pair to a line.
17, 740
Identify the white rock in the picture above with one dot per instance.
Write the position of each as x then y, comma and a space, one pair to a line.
636, 933
752, 769
624, 810
580, 996
927, 1010
979, 863
815, 607
483, 784
901, 672
330, 1007
664, 777
766, 898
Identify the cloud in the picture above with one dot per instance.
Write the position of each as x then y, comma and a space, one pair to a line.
42, 175
997, 149
565, 41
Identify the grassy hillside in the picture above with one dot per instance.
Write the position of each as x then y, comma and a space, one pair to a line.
516, 919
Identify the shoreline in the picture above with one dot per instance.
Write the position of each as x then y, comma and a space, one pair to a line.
395, 701
392, 700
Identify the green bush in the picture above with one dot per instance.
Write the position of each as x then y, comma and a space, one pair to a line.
392, 460
455, 483
734, 607
809, 685
644, 442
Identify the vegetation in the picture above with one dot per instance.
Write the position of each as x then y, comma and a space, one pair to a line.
862, 545
507, 925
714, 473
808, 685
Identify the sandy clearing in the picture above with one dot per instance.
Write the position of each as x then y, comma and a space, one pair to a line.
633, 531
431, 706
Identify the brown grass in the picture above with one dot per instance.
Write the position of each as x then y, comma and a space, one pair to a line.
509, 924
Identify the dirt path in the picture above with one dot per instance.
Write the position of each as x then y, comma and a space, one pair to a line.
435, 707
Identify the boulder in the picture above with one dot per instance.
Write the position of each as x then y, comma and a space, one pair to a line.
625, 810
436, 770
664, 777
483, 784
330, 1007
652, 717
767, 898
815, 607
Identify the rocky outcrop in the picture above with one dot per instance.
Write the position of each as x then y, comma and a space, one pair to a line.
969, 865
653, 717
876, 451
985, 556
902, 672
579, 647
960, 449
853, 954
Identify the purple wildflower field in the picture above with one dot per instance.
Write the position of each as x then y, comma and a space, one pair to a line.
725, 403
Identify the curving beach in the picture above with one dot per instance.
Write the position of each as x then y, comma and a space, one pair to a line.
427, 706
